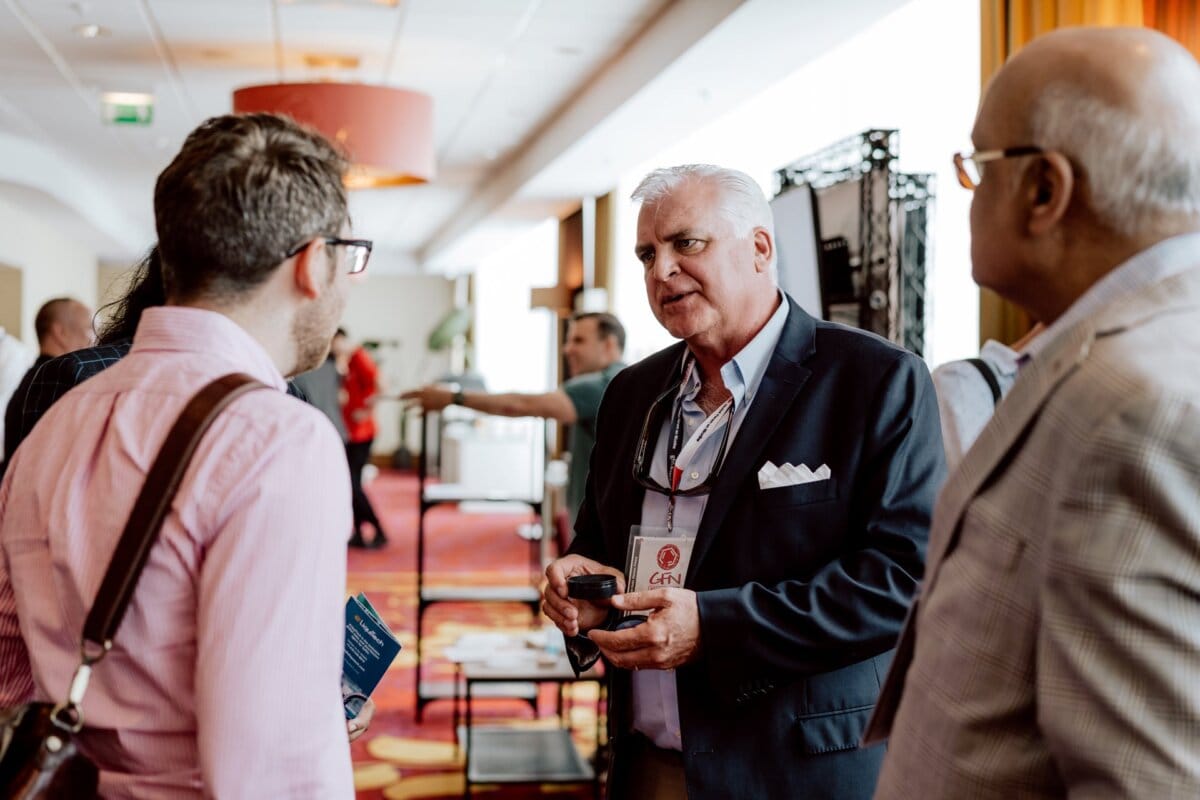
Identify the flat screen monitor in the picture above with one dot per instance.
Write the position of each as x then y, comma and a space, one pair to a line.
798, 247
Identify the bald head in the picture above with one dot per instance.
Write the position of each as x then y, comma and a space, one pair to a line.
63, 325
1120, 103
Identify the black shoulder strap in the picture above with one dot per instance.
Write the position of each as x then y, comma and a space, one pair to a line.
985, 369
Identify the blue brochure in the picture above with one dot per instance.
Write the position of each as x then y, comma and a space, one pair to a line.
370, 649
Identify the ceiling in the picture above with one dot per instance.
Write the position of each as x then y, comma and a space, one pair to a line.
536, 102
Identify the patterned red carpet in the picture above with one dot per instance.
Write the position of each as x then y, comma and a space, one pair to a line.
399, 759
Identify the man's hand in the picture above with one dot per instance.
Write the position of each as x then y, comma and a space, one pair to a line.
429, 398
574, 616
358, 726
668, 638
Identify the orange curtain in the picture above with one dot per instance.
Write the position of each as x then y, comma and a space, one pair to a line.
1006, 26
1179, 19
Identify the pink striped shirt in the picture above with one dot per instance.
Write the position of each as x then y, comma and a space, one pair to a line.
224, 677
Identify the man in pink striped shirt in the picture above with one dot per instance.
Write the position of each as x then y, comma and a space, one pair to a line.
224, 677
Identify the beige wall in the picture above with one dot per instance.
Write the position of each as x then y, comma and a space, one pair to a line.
51, 265
399, 311
10, 299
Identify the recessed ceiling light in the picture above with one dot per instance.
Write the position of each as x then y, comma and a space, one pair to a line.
340, 3
90, 30
128, 98
330, 61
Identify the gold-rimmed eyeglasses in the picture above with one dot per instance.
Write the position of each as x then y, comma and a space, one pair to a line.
969, 166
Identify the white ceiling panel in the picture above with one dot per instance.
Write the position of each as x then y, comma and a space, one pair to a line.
517, 85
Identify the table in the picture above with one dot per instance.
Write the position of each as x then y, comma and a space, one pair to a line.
499, 754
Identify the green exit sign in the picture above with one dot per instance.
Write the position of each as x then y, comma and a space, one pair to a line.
128, 108
132, 115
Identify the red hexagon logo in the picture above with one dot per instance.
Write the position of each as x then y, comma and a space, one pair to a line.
668, 557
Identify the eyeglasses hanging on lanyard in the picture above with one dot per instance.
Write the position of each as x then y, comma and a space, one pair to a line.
644, 454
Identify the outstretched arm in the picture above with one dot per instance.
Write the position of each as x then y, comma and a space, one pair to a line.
552, 405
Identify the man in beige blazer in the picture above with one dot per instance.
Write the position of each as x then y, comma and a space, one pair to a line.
1054, 650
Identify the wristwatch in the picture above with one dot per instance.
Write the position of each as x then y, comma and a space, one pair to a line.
458, 398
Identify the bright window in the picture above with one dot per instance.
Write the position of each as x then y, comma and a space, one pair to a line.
513, 343
916, 70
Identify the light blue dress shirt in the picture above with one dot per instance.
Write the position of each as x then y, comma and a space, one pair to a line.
655, 703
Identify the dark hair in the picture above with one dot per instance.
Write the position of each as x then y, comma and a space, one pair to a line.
50, 312
606, 325
244, 190
144, 290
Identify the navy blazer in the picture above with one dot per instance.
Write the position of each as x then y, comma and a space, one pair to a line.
802, 590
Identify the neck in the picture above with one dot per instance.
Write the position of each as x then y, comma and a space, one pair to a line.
1091, 259
270, 326
714, 349
712, 393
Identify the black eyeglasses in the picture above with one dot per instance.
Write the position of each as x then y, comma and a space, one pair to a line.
644, 455
969, 166
358, 251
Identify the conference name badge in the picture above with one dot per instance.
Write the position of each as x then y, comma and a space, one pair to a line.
658, 562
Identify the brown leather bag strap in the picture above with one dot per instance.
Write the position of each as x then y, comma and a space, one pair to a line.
153, 503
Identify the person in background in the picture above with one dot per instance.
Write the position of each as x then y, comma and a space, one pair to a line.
223, 680
322, 387
360, 388
593, 347
1055, 649
45, 385
15, 360
969, 390
62, 325
763, 488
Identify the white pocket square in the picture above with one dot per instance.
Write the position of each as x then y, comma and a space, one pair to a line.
773, 477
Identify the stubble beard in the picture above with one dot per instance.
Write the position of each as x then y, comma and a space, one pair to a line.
312, 333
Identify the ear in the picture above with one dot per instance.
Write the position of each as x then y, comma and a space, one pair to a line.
764, 250
309, 268
1051, 182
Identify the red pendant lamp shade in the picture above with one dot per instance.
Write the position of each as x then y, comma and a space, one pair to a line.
387, 133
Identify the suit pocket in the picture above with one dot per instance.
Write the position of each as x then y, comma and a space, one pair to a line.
833, 731
798, 495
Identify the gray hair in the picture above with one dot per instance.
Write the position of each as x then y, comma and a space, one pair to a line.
741, 196
1138, 169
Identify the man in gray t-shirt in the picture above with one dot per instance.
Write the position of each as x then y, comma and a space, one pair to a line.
593, 348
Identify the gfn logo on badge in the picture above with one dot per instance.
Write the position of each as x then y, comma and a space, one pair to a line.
668, 559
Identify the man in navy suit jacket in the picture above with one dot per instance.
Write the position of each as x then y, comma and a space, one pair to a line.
782, 472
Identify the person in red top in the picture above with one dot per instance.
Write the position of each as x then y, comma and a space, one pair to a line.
360, 385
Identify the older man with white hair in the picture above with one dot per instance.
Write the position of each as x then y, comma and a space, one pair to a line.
763, 490
1055, 649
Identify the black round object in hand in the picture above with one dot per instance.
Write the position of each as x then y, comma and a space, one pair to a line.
631, 621
591, 587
